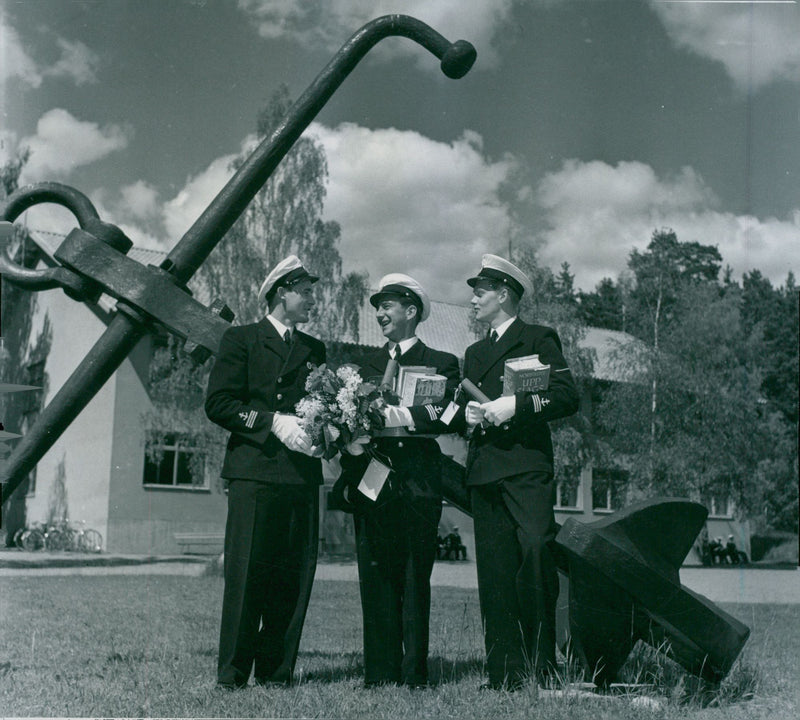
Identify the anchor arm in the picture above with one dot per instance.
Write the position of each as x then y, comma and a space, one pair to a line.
198, 242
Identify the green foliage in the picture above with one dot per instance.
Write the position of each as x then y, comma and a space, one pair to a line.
177, 388
697, 420
660, 273
10, 172
24, 354
774, 313
285, 217
553, 303
603, 308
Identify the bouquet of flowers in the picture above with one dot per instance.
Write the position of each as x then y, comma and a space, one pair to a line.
340, 407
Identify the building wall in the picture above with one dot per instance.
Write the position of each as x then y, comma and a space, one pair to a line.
81, 457
144, 519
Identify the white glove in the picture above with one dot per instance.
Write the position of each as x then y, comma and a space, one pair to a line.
473, 413
357, 446
501, 410
395, 416
287, 429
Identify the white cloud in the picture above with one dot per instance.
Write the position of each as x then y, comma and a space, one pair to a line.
140, 200
756, 42
597, 213
180, 213
77, 62
62, 143
17, 63
329, 24
407, 203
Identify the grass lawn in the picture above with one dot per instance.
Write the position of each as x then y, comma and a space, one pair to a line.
146, 646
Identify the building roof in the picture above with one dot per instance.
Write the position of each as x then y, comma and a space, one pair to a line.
447, 328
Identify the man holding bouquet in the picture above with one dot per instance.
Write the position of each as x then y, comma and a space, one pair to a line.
273, 474
510, 477
396, 532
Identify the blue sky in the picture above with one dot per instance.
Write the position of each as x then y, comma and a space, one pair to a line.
584, 125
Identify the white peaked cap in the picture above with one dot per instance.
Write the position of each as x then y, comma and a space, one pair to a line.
287, 271
406, 286
493, 267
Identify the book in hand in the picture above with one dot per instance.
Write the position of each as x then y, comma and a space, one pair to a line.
418, 385
525, 374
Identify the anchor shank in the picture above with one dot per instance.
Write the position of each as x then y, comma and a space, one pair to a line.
114, 345
198, 242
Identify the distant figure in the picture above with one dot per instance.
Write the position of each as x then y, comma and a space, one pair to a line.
439, 547
719, 555
733, 554
703, 548
454, 547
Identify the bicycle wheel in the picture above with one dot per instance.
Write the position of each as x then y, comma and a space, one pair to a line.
91, 541
72, 540
56, 540
32, 540
18, 538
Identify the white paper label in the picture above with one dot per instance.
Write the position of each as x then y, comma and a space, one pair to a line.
449, 413
373, 480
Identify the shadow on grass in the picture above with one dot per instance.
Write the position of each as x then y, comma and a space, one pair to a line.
336, 666
443, 670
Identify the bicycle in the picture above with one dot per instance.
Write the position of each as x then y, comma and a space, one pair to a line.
85, 539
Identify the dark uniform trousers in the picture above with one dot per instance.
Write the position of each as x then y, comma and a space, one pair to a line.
396, 549
512, 491
517, 575
396, 534
273, 506
271, 541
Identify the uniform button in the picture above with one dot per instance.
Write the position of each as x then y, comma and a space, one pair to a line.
280, 380
279, 396
399, 443
480, 383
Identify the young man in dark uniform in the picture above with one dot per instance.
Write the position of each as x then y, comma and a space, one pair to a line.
510, 476
272, 479
396, 533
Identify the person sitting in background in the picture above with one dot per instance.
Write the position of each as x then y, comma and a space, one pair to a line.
717, 551
453, 547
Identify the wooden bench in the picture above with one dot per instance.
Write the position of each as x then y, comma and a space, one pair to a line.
200, 543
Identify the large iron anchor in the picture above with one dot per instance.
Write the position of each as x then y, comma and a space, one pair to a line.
93, 258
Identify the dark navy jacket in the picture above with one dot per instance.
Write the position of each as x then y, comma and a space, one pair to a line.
416, 460
523, 444
256, 375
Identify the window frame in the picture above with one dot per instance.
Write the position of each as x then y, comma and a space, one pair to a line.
177, 448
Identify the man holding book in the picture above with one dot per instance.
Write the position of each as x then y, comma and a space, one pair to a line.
399, 503
510, 473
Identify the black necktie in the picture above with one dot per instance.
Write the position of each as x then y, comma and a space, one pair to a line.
493, 337
395, 352
287, 337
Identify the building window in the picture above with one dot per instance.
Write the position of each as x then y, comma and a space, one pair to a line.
608, 489
568, 487
175, 462
719, 504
